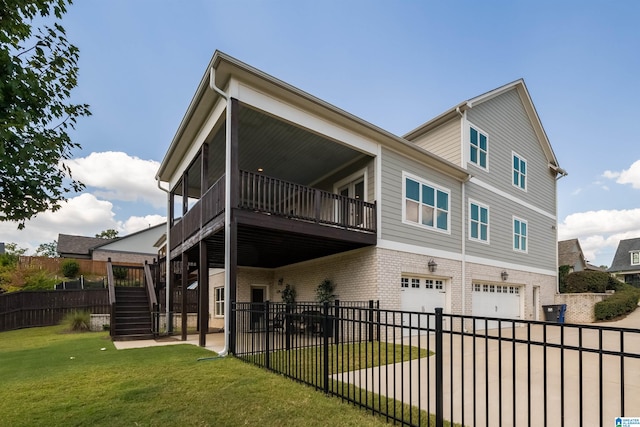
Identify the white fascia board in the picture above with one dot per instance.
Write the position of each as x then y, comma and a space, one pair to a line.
194, 148
271, 105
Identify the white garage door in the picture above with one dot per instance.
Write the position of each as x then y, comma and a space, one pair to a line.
421, 295
491, 300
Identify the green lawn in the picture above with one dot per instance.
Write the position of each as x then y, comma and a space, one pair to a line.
49, 377
52, 378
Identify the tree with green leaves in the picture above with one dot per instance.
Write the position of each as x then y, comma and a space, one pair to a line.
107, 234
38, 69
50, 250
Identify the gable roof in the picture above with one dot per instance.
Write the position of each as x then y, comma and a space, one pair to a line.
622, 259
79, 245
570, 252
523, 93
223, 67
141, 241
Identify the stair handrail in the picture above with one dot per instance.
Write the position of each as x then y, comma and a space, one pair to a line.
151, 291
112, 298
153, 300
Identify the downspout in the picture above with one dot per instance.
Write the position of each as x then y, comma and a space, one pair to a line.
167, 263
227, 210
561, 174
463, 228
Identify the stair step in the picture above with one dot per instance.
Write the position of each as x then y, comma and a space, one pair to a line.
132, 314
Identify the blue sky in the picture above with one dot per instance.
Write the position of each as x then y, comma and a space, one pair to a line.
394, 64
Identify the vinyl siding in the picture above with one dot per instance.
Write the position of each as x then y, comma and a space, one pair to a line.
505, 121
443, 141
541, 235
390, 208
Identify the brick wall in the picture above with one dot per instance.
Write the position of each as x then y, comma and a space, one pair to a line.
579, 306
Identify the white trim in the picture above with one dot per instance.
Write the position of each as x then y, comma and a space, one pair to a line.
378, 191
215, 302
513, 234
512, 198
436, 187
354, 177
526, 176
419, 250
304, 119
480, 205
468, 145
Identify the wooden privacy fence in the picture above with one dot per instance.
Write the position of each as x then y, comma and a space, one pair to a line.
54, 265
26, 309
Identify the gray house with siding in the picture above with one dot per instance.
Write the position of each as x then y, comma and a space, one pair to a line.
626, 262
268, 185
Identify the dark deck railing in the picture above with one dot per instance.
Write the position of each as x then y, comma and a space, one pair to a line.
261, 193
270, 195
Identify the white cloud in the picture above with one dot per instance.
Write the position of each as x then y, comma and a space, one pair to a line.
83, 215
137, 223
118, 176
627, 176
600, 231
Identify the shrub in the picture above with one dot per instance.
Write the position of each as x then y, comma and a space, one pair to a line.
120, 273
624, 301
288, 294
324, 291
77, 321
563, 272
36, 279
589, 281
70, 268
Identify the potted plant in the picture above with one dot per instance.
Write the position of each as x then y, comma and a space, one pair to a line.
288, 294
324, 291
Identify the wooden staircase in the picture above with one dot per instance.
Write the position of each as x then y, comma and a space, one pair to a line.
132, 315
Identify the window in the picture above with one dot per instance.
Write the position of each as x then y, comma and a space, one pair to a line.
426, 204
415, 283
478, 147
478, 222
519, 235
219, 301
519, 172
635, 258
404, 282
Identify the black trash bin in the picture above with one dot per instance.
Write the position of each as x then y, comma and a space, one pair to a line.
554, 313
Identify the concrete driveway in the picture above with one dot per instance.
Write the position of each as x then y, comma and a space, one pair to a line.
522, 383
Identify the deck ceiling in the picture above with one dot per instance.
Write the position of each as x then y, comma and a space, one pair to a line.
270, 248
280, 149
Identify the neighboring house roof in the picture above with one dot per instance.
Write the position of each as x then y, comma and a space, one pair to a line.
140, 242
592, 267
570, 253
521, 88
78, 246
622, 258
225, 67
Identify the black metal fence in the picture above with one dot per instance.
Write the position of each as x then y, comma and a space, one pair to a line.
424, 368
